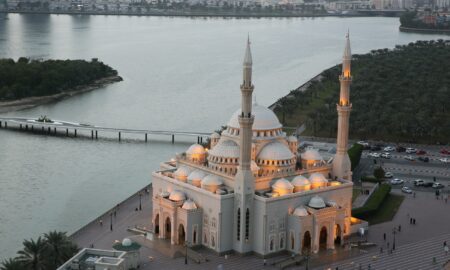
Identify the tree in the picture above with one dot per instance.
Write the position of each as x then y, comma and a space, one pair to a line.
59, 248
12, 264
378, 172
33, 254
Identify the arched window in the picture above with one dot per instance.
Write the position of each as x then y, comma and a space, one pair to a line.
281, 242
247, 224
239, 224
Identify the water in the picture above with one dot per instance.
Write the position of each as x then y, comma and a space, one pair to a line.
179, 74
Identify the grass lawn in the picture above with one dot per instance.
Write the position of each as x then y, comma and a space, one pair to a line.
355, 194
387, 209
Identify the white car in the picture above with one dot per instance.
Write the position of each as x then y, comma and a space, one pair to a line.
388, 175
411, 150
410, 158
437, 185
389, 149
406, 190
386, 155
397, 181
363, 143
375, 155
445, 160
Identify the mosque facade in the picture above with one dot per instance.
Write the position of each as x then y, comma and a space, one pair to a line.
252, 191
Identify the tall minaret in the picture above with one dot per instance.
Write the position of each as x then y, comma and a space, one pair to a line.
341, 162
244, 186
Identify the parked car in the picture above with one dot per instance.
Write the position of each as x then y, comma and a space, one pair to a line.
406, 190
410, 158
388, 175
375, 155
445, 151
365, 144
400, 149
438, 185
445, 160
421, 152
424, 159
427, 184
375, 148
389, 149
410, 150
418, 182
397, 181
386, 155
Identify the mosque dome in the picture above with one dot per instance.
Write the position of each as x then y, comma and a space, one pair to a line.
189, 205
182, 173
318, 180
196, 149
225, 148
301, 183
164, 194
265, 119
215, 135
282, 186
300, 212
275, 151
317, 202
332, 203
311, 154
211, 182
292, 139
177, 196
196, 177
126, 242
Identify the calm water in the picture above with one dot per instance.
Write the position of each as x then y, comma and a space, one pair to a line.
179, 74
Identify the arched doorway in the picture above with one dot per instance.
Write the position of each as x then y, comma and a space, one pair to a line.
337, 231
306, 242
156, 224
168, 228
323, 238
181, 234
194, 237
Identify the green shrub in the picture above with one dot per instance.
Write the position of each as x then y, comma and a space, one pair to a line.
374, 202
354, 154
369, 178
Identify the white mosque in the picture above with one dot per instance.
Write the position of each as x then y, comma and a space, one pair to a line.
252, 192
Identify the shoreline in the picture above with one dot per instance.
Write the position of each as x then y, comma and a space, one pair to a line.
424, 31
30, 102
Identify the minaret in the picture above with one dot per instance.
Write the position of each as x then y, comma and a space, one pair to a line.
244, 180
341, 162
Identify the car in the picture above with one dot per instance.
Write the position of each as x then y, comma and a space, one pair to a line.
410, 150
388, 175
375, 148
410, 158
424, 159
400, 149
445, 151
418, 182
397, 181
421, 152
363, 143
389, 149
375, 155
386, 155
406, 190
427, 184
438, 185
444, 160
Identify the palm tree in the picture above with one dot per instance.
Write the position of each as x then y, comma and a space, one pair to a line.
12, 264
59, 248
33, 254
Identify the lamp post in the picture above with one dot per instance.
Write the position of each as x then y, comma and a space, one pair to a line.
111, 215
186, 255
393, 244
307, 259
140, 200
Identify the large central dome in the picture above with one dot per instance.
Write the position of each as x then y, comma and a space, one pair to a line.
265, 119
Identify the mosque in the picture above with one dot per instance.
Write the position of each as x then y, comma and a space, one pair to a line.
252, 191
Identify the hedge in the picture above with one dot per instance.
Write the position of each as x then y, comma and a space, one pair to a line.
370, 178
374, 202
354, 154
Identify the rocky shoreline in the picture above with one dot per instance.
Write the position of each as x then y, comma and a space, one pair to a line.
30, 102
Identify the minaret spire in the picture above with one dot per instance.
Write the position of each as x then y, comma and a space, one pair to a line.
341, 162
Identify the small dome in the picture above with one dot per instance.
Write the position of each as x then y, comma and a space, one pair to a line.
126, 242
177, 196
265, 119
311, 154
196, 175
215, 135
164, 194
282, 187
317, 178
196, 149
332, 203
225, 148
182, 173
189, 205
300, 212
300, 181
292, 139
316, 202
211, 180
275, 151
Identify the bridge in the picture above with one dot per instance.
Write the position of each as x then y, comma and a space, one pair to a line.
70, 129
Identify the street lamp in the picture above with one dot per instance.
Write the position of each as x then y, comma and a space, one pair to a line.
186, 255
140, 200
307, 251
111, 215
393, 244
